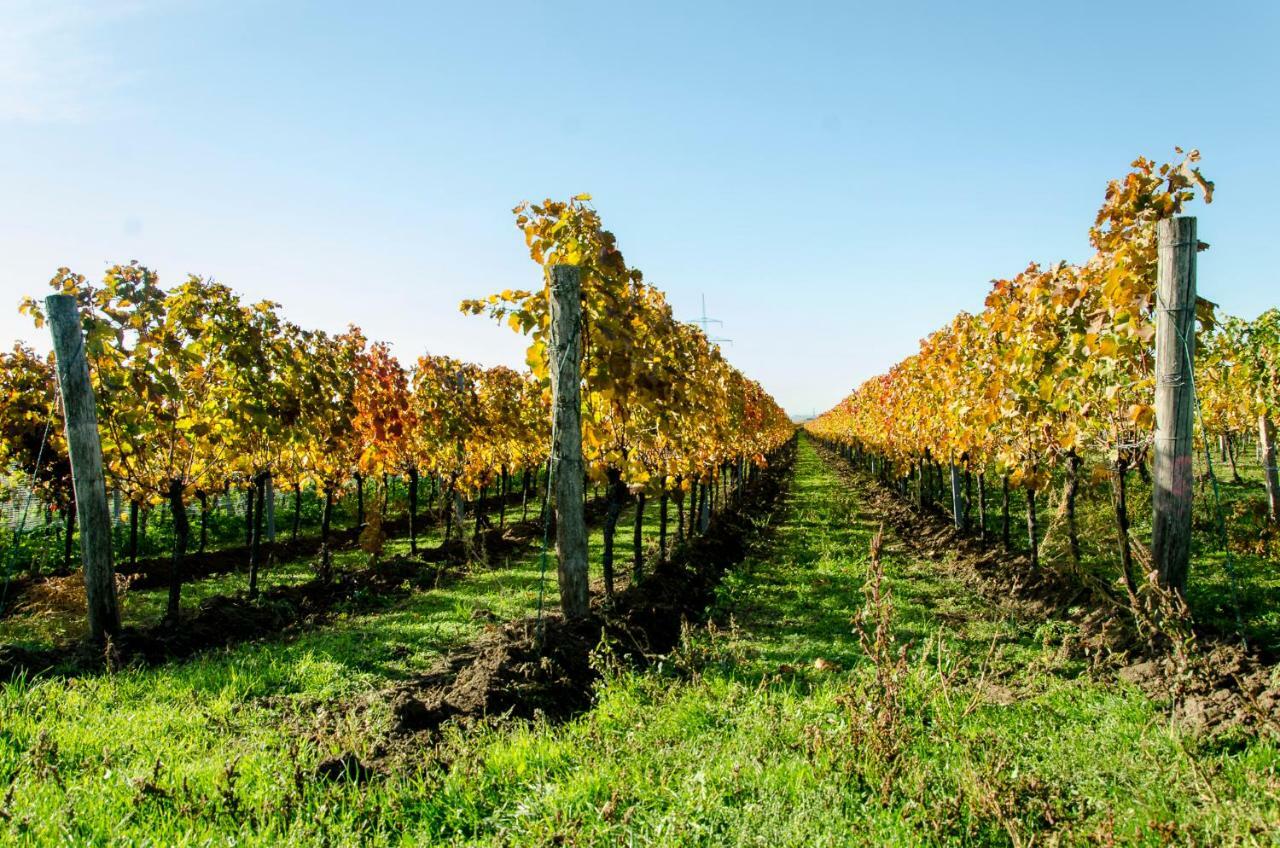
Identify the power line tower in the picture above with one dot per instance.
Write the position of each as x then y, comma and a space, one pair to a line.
705, 322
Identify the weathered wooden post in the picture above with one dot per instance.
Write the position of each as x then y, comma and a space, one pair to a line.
257, 493
413, 509
1004, 512
566, 392
957, 498
982, 504
663, 507
1033, 532
1175, 350
637, 539
270, 496
1270, 475
460, 503
248, 515
86, 465
704, 508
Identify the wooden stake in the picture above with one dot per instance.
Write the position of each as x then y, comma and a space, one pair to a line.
85, 449
133, 532
1070, 488
1271, 477
566, 392
704, 509
957, 498
270, 496
413, 509
662, 525
1033, 528
1175, 350
1004, 513
637, 540
982, 505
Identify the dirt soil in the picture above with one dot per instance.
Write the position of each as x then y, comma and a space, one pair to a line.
231, 619
153, 572
523, 670
1211, 682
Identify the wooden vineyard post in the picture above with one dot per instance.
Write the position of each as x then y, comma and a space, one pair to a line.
957, 498
637, 539
704, 508
1270, 476
1004, 512
270, 497
1033, 532
982, 505
663, 505
86, 465
1175, 348
459, 504
566, 392
413, 510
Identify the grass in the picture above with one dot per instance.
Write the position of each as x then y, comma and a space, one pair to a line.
50, 624
743, 741
38, 550
742, 737
1233, 587
89, 747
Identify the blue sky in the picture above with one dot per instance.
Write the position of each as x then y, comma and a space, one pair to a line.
838, 178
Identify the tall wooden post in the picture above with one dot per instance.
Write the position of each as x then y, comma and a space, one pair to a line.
704, 507
459, 503
957, 498
1175, 350
566, 392
270, 497
86, 465
1270, 475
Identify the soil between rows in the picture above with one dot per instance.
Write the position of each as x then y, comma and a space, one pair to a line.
153, 571
225, 620
1215, 684
526, 669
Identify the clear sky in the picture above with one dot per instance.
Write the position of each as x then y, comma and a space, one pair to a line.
838, 178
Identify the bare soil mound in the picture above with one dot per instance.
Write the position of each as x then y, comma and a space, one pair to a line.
527, 669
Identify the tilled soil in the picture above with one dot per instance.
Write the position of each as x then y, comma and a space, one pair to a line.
529, 669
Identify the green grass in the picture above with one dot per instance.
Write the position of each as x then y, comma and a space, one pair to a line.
48, 625
87, 746
1232, 588
735, 739
38, 549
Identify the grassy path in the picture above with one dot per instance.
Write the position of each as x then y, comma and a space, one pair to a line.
144, 754
770, 728
740, 739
